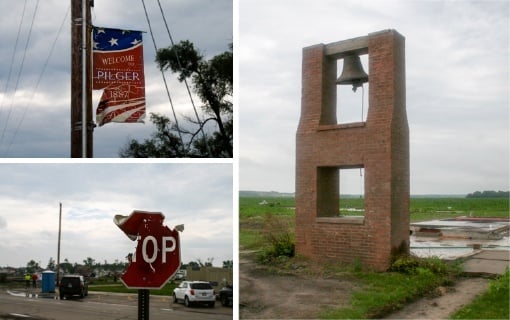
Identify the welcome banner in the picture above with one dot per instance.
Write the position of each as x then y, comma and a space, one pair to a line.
118, 69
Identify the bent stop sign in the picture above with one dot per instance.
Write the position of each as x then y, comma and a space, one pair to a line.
158, 254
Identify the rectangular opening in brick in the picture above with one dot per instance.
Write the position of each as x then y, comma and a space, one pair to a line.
352, 106
340, 191
352, 192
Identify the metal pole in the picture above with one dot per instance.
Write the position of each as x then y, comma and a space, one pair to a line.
143, 304
88, 83
58, 250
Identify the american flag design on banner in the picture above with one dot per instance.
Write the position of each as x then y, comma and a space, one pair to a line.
118, 69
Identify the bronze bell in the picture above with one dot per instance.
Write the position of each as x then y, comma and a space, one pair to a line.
352, 72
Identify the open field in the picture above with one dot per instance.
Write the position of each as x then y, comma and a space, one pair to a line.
420, 208
253, 211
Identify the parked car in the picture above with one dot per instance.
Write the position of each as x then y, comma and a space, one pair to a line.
195, 292
71, 285
180, 275
226, 296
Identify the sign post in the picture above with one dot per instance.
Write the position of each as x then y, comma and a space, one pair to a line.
157, 257
143, 304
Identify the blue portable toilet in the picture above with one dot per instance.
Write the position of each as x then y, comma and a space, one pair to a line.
48, 281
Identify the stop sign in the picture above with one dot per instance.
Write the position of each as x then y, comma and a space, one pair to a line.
158, 254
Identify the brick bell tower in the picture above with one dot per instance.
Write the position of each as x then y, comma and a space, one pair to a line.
379, 145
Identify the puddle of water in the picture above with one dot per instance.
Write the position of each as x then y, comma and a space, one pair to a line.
453, 248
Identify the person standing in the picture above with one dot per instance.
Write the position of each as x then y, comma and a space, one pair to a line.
27, 283
27, 280
34, 280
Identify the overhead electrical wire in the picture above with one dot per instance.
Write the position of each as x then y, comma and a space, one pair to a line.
164, 78
185, 81
20, 70
39, 79
13, 56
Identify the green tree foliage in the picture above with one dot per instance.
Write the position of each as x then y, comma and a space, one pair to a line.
207, 263
89, 262
32, 266
66, 266
212, 82
162, 144
228, 264
489, 194
51, 264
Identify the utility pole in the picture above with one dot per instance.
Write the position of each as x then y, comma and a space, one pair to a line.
58, 250
81, 84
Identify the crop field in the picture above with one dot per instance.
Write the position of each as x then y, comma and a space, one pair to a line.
254, 211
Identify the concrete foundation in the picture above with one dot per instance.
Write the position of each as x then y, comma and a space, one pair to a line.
463, 227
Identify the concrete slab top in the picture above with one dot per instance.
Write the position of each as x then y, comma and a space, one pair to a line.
501, 255
492, 262
479, 225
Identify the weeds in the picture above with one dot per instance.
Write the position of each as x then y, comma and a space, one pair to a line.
279, 239
409, 264
410, 277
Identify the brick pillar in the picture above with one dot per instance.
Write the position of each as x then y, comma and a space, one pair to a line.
380, 146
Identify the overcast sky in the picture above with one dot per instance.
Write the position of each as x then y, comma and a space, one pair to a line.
37, 123
196, 195
457, 77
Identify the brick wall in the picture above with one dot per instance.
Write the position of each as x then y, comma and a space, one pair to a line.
380, 146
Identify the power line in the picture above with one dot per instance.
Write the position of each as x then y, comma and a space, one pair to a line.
20, 70
39, 79
164, 78
185, 81
13, 55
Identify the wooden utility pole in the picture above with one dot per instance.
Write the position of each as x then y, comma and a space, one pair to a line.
81, 84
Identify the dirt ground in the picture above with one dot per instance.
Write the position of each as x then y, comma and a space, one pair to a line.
303, 295
447, 300
264, 295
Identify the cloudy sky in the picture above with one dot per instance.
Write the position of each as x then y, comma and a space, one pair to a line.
457, 72
196, 195
36, 123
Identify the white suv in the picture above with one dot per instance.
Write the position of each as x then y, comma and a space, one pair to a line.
192, 292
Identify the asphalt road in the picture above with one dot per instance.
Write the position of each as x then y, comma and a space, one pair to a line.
15, 305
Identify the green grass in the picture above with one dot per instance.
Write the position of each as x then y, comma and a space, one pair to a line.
439, 208
382, 293
250, 206
253, 217
493, 304
167, 290
420, 208
250, 239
